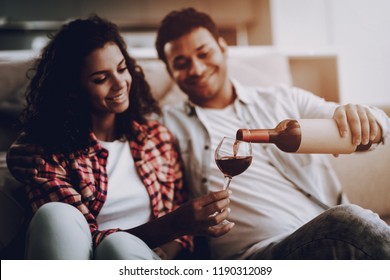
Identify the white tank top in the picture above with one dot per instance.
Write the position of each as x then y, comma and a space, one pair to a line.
128, 202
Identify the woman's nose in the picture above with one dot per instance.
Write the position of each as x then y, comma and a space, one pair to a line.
118, 82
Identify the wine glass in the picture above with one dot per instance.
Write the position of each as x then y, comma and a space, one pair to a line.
232, 157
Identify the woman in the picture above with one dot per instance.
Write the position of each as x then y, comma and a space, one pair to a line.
87, 106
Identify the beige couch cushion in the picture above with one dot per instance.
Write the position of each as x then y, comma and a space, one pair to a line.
366, 178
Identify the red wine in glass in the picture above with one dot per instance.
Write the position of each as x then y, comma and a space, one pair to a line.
233, 165
232, 157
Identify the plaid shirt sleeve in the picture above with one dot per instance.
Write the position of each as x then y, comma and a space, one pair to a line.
54, 184
160, 168
180, 193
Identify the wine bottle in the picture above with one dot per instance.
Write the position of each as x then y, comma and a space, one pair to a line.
317, 136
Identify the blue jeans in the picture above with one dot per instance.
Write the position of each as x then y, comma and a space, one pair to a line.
341, 232
59, 231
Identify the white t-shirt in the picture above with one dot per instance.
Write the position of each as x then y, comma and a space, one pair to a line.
253, 207
127, 204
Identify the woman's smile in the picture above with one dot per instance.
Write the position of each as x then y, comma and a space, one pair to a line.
119, 98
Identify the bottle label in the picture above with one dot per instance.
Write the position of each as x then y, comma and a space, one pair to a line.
322, 136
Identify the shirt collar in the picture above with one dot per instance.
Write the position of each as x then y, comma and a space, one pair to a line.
95, 147
241, 92
242, 96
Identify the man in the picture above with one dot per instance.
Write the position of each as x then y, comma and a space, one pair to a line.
285, 206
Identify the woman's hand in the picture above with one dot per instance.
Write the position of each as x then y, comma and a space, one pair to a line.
23, 161
203, 215
200, 216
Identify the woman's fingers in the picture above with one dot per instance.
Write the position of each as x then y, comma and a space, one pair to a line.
220, 229
210, 211
212, 197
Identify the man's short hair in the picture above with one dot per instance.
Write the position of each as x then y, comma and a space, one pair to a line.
179, 23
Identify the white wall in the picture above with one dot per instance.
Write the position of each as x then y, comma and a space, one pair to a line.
357, 29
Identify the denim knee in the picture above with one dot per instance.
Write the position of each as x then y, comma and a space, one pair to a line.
350, 213
361, 228
123, 246
58, 231
58, 213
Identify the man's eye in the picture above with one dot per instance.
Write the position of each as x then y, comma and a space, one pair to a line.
180, 65
203, 54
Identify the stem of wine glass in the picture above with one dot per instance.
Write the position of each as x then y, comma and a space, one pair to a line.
227, 182
225, 187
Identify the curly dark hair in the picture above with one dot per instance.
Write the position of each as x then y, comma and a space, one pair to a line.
58, 114
179, 23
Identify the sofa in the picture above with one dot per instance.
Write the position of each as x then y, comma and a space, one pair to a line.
365, 176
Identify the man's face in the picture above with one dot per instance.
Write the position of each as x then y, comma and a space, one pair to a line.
197, 62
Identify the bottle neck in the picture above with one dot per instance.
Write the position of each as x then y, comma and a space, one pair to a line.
286, 135
256, 135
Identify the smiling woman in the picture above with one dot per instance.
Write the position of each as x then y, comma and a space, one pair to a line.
72, 69
107, 83
110, 185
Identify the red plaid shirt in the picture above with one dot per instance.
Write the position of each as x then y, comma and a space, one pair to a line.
81, 179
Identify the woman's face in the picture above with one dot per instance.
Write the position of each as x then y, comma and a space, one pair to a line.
107, 81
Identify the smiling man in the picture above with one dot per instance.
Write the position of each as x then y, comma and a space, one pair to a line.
284, 206
198, 65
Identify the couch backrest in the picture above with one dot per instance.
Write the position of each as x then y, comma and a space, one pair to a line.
258, 66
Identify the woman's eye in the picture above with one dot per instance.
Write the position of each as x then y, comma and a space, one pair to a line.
99, 80
123, 69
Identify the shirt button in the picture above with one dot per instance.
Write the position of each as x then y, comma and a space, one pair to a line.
206, 147
204, 180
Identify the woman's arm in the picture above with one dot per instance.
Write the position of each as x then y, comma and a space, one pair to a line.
54, 182
200, 216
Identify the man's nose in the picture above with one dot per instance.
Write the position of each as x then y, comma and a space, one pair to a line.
197, 67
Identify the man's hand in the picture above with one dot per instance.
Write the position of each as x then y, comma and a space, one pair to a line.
360, 121
23, 161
